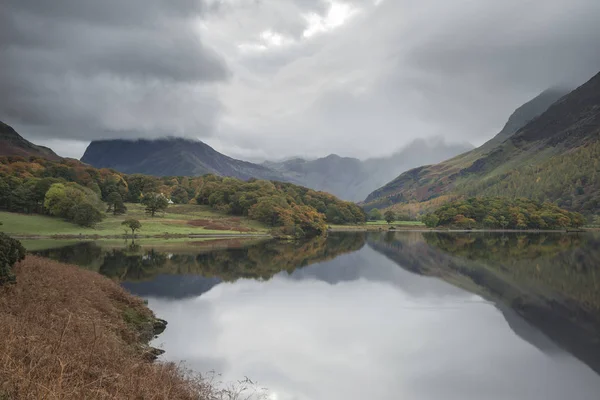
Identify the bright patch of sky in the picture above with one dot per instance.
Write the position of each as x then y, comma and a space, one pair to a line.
337, 15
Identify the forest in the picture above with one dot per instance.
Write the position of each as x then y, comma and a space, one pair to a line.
571, 180
82, 194
502, 213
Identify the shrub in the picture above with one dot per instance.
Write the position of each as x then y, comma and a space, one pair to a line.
11, 252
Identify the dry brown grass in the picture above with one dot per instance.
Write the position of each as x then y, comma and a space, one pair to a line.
63, 336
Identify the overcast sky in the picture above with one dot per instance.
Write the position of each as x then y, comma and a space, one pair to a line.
276, 78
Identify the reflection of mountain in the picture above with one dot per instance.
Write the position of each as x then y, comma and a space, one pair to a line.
550, 281
373, 267
172, 286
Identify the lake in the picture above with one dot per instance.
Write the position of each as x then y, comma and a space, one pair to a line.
404, 315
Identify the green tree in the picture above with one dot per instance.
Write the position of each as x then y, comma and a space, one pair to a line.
115, 203
11, 252
430, 220
389, 216
132, 224
155, 202
179, 195
86, 214
74, 202
375, 215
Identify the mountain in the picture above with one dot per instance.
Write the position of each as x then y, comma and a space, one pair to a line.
353, 179
553, 157
170, 157
13, 144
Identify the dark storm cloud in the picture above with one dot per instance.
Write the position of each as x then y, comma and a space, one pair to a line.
86, 69
277, 78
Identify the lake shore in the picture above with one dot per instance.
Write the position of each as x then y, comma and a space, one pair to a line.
128, 237
70, 333
413, 228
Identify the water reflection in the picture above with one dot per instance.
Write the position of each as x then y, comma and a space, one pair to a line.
550, 280
359, 327
411, 315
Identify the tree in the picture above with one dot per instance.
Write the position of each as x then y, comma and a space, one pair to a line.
11, 251
132, 224
115, 203
430, 220
86, 214
155, 202
389, 216
74, 202
179, 195
375, 215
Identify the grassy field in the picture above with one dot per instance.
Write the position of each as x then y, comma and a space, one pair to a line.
396, 223
178, 220
379, 225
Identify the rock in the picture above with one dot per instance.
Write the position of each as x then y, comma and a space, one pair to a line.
152, 353
159, 326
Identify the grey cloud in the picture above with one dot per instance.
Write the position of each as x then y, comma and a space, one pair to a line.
404, 70
394, 71
83, 69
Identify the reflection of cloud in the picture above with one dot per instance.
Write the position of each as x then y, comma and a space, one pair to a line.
363, 339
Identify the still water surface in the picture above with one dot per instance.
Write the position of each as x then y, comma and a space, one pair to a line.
379, 316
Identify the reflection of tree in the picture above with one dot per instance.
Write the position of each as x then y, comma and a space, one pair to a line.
85, 254
125, 266
260, 261
481, 246
265, 260
567, 264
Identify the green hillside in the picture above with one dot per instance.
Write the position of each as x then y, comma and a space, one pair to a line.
553, 158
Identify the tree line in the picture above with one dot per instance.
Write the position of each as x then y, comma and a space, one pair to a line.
83, 194
502, 213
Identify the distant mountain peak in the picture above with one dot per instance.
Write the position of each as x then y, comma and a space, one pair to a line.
170, 156
353, 179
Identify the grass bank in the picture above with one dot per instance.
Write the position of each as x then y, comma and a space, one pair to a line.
378, 226
179, 220
68, 333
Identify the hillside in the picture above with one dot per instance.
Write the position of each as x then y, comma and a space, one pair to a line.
353, 179
13, 144
554, 157
170, 157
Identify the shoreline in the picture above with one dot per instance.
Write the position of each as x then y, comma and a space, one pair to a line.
163, 236
422, 229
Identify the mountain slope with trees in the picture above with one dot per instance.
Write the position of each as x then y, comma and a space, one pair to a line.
555, 157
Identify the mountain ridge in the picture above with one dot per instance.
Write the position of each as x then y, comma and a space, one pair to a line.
528, 163
353, 179
170, 156
13, 144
